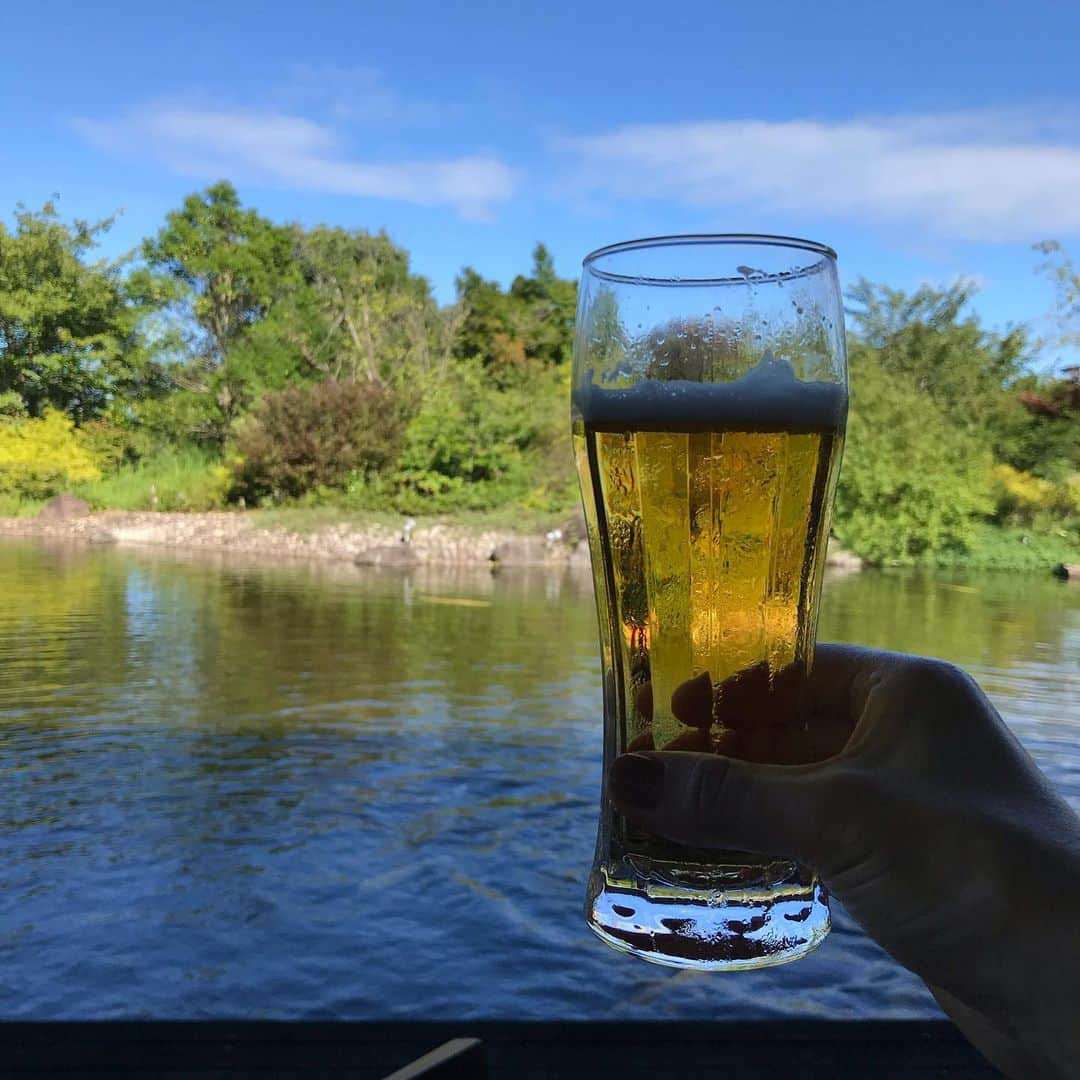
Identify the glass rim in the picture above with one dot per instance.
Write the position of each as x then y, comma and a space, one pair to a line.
793, 243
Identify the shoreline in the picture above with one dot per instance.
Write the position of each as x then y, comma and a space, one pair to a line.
358, 542
240, 532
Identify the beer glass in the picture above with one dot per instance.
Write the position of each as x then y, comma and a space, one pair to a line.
708, 411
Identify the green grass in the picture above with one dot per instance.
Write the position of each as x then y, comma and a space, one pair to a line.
14, 506
174, 479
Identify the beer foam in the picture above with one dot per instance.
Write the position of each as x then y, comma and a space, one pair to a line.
769, 395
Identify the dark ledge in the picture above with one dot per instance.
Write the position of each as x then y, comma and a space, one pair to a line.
515, 1050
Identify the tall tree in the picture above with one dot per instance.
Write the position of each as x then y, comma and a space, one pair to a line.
548, 307
930, 339
220, 268
1061, 270
228, 263
532, 321
67, 332
361, 314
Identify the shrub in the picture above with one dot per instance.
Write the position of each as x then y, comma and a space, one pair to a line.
39, 457
912, 485
316, 436
472, 443
1021, 498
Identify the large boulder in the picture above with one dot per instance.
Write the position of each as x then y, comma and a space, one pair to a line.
64, 507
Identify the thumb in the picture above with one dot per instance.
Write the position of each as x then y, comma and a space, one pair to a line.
704, 800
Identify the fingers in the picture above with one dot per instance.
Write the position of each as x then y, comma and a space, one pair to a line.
783, 717
703, 800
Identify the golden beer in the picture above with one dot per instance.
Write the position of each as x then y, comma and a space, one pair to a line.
709, 540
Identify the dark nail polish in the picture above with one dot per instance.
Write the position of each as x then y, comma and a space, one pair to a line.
638, 780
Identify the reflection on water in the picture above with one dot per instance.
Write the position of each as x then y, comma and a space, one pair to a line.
315, 790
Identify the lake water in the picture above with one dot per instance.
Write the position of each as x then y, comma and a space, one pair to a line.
233, 790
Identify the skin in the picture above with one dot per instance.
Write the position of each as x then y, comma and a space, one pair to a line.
904, 789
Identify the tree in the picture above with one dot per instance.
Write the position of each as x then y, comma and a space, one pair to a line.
67, 332
547, 312
229, 264
361, 315
1062, 272
926, 337
220, 268
533, 321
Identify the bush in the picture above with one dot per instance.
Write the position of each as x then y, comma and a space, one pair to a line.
318, 436
913, 486
1021, 498
473, 442
39, 457
177, 478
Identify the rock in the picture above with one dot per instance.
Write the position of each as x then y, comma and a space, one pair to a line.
388, 555
64, 507
1068, 572
521, 551
837, 558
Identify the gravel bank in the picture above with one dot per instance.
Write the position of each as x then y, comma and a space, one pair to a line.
240, 532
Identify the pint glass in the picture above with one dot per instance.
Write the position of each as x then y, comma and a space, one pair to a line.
708, 411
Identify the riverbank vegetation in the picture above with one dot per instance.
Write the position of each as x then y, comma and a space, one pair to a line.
236, 362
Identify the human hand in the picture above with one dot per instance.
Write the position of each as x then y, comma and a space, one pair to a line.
926, 818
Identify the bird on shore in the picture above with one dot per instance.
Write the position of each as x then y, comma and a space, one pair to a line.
407, 530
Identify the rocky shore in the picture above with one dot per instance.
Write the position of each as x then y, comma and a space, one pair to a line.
362, 542
365, 543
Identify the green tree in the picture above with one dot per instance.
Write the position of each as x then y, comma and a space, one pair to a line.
68, 336
533, 321
220, 268
361, 314
930, 339
547, 309
1061, 270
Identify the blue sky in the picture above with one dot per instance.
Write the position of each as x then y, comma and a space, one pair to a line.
925, 141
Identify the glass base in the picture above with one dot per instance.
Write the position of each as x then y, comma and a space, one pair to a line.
728, 925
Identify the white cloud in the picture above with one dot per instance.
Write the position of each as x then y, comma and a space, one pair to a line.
357, 94
984, 175
291, 151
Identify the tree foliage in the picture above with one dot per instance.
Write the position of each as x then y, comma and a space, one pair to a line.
473, 433
912, 482
220, 268
532, 321
361, 314
67, 331
249, 358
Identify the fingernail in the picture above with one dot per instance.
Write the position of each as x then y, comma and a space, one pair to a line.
638, 780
